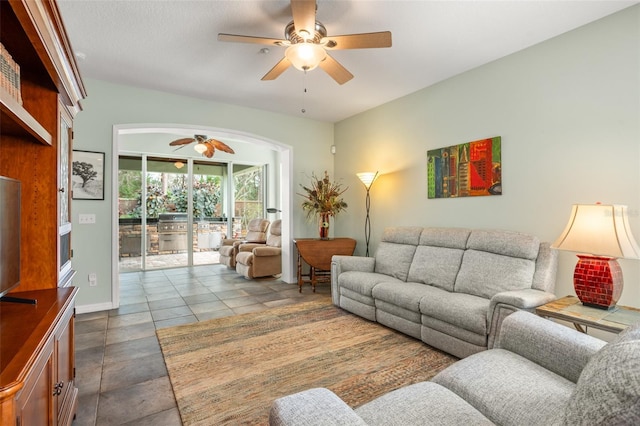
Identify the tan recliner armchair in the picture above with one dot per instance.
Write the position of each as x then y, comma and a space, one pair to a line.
262, 260
257, 233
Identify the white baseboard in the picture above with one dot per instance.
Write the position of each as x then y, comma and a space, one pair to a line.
85, 309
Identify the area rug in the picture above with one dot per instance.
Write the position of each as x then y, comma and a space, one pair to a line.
229, 370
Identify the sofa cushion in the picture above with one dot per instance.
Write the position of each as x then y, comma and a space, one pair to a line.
423, 403
437, 266
405, 295
507, 388
461, 310
485, 274
507, 243
362, 282
608, 390
445, 237
402, 235
394, 259
313, 407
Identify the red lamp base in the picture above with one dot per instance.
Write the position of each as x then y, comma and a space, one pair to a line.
598, 281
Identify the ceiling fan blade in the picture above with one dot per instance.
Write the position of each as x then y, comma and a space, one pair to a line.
183, 141
335, 70
220, 146
210, 150
250, 39
278, 69
358, 41
304, 15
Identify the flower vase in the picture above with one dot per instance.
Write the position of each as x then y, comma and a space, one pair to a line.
324, 226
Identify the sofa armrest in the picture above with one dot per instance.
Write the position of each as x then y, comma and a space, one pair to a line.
238, 243
313, 407
228, 241
558, 348
340, 264
266, 251
353, 263
508, 302
248, 246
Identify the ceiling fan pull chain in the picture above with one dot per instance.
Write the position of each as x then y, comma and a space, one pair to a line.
304, 92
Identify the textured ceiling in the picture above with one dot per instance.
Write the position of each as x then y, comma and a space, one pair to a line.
172, 46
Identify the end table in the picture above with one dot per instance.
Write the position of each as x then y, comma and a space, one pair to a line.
317, 254
570, 309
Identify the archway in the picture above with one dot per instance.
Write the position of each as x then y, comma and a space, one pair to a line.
283, 171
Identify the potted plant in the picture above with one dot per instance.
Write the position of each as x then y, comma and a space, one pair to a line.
322, 201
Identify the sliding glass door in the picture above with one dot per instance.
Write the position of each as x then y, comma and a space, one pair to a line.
249, 188
209, 210
186, 211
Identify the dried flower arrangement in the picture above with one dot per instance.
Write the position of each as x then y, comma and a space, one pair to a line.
323, 200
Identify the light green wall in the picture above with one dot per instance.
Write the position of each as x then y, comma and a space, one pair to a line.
568, 111
110, 104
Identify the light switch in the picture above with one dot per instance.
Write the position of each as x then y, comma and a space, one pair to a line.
86, 218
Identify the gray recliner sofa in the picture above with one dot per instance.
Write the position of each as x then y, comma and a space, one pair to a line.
449, 287
538, 373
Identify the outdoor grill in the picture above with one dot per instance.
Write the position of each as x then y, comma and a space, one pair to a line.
172, 231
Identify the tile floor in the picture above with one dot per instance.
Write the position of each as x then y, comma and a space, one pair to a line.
120, 371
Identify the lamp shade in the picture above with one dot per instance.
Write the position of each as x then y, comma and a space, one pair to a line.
200, 148
305, 56
599, 229
367, 178
600, 233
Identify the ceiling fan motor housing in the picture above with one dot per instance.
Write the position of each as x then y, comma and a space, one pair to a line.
294, 37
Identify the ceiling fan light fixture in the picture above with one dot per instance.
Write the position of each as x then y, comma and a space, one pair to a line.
305, 56
200, 148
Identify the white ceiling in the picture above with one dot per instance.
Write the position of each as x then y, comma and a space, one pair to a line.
172, 46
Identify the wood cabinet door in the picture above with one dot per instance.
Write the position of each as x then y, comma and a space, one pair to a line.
65, 392
34, 404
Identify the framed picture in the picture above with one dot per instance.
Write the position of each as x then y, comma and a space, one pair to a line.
470, 169
87, 175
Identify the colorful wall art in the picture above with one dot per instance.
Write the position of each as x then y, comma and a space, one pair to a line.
467, 170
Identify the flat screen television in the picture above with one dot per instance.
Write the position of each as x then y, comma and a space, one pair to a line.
9, 234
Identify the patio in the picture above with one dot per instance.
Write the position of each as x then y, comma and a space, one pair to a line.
165, 261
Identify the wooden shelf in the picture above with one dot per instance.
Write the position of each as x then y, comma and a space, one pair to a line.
37, 364
17, 121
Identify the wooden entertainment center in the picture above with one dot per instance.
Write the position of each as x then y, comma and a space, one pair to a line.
37, 362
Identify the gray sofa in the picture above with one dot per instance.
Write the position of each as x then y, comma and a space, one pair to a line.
449, 287
538, 373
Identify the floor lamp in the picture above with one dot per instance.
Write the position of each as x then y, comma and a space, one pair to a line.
367, 179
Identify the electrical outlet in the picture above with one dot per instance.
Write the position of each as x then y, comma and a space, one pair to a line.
93, 279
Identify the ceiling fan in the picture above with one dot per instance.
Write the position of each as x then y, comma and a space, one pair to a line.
308, 44
205, 146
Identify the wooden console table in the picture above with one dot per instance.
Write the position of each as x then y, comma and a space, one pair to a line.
317, 254
570, 309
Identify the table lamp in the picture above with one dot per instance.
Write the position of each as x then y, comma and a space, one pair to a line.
600, 233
